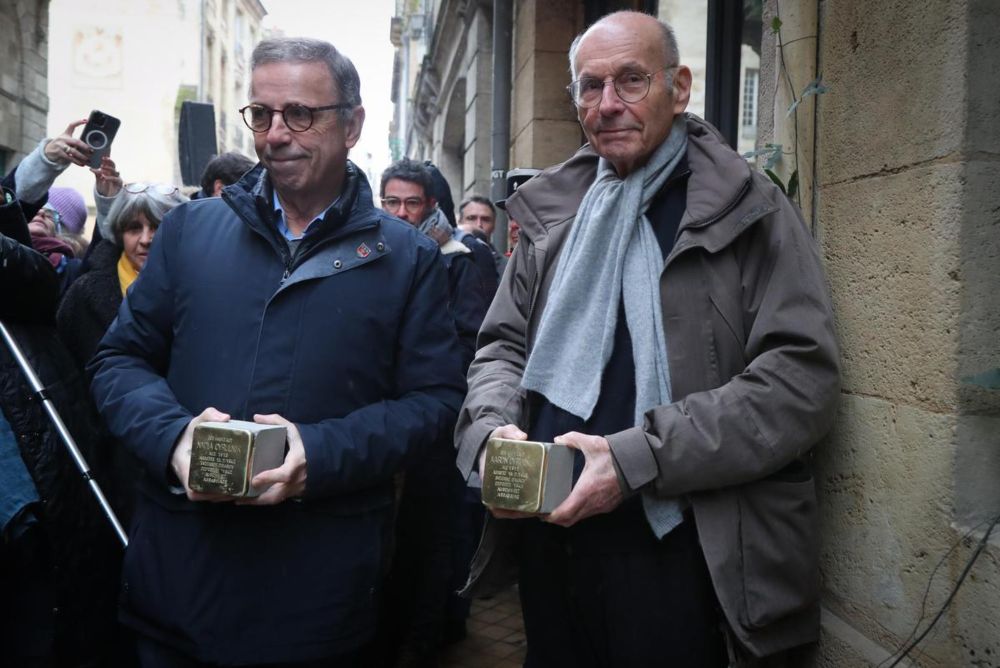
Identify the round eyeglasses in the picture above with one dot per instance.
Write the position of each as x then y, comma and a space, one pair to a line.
630, 87
412, 204
164, 189
297, 117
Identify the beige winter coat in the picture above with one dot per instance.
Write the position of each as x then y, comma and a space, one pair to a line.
754, 377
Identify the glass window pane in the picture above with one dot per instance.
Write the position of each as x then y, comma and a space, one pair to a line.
689, 19
749, 74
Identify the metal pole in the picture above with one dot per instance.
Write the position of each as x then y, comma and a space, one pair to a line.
503, 20
41, 393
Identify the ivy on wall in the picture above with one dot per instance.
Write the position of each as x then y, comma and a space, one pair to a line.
772, 153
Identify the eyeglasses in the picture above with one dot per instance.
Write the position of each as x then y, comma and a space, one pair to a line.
630, 86
297, 117
164, 189
51, 214
412, 204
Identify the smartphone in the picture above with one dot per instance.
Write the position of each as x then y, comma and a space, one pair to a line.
98, 133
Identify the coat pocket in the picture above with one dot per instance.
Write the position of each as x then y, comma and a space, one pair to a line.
779, 543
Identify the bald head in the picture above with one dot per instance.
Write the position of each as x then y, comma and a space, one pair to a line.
635, 87
638, 23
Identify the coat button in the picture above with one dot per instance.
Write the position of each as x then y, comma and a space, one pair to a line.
380, 247
337, 264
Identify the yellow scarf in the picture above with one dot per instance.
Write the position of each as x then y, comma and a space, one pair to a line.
126, 273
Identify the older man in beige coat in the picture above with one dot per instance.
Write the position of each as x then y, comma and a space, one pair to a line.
666, 315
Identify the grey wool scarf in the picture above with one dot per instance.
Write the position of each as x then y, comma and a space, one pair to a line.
611, 254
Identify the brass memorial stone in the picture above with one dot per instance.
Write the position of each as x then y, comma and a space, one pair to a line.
225, 456
527, 476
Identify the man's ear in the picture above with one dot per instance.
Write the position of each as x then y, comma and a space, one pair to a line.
353, 127
681, 89
217, 187
431, 202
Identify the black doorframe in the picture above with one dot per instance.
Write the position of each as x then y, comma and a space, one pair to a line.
722, 67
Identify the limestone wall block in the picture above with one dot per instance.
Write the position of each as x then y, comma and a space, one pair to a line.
525, 33
551, 101
523, 102
897, 85
885, 505
555, 26
544, 143
891, 246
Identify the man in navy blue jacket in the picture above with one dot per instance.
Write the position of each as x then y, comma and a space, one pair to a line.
290, 301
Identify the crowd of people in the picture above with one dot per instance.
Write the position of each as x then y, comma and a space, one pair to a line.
662, 313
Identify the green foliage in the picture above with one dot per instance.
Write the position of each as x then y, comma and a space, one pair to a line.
792, 189
814, 87
770, 154
775, 25
793, 185
777, 180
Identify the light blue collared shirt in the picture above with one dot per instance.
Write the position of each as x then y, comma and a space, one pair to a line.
283, 222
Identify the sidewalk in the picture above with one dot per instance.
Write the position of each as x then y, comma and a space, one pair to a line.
495, 635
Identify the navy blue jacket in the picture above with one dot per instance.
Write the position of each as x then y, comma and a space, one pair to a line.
350, 340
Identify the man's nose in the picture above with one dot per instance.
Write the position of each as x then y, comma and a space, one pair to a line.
611, 103
278, 133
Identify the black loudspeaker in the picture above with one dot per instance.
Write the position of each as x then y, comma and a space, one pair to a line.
196, 140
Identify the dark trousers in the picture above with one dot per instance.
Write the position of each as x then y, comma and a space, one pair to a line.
27, 601
415, 594
153, 654
607, 593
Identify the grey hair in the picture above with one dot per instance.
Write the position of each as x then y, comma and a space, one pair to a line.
152, 202
307, 50
670, 49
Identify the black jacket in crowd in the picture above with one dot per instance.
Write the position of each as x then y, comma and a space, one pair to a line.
91, 303
57, 579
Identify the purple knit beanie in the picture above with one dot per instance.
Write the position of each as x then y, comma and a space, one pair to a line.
69, 203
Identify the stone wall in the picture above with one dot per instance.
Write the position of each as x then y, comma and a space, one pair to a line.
544, 128
908, 216
24, 99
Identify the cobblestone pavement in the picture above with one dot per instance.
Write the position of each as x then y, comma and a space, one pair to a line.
495, 635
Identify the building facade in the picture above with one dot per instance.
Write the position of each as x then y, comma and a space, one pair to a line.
230, 30
139, 61
443, 80
887, 122
24, 99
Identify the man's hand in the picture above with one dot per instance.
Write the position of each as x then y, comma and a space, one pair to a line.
597, 491
288, 480
180, 460
512, 433
107, 180
66, 148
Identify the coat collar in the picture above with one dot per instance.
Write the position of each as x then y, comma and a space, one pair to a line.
723, 197
252, 198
